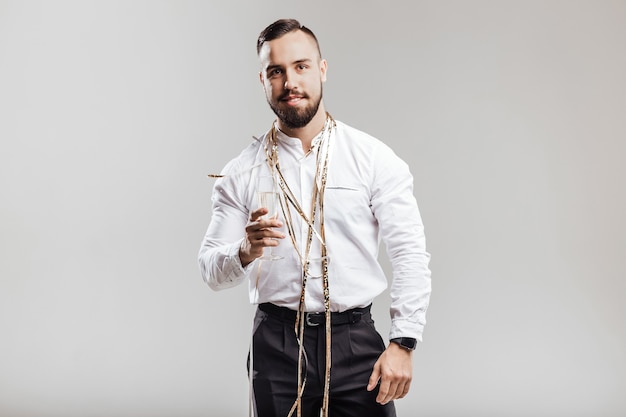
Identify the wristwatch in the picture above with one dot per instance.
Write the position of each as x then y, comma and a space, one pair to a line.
407, 343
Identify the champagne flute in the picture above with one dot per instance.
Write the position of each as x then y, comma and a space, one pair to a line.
268, 197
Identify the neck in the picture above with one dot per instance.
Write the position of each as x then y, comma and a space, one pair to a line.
308, 132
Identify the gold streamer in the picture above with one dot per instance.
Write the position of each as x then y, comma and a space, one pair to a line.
317, 199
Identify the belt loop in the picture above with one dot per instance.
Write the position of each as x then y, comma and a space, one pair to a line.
355, 316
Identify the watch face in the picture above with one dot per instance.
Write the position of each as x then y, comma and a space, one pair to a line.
408, 342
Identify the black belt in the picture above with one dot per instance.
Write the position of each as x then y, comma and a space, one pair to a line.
315, 319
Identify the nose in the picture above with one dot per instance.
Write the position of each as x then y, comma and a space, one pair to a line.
290, 81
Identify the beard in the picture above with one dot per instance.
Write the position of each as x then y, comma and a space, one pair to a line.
295, 118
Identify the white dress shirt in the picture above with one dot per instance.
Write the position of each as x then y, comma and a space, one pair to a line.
368, 198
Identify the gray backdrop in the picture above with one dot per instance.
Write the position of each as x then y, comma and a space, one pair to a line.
511, 115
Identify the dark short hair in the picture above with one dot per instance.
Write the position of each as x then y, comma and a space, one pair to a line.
282, 27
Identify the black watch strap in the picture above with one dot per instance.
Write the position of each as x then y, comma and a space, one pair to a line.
408, 343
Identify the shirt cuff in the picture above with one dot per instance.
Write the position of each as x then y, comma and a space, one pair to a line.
406, 328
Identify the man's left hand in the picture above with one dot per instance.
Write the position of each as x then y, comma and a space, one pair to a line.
394, 369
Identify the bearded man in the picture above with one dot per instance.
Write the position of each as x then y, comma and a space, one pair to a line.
340, 192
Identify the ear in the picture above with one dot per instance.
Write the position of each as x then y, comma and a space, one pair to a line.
261, 78
323, 68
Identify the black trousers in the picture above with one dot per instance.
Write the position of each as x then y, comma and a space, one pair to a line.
355, 348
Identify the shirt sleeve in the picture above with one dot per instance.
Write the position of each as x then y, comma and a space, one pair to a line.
402, 232
218, 257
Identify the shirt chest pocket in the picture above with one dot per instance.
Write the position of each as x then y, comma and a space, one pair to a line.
347, 203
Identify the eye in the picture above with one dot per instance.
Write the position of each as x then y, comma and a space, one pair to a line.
275, 72
302, 67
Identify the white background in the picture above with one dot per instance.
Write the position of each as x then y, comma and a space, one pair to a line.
511, 114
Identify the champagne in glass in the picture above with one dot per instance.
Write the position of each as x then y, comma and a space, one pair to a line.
268, 197
269, 200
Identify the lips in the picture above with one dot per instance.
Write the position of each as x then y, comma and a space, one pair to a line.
292, 99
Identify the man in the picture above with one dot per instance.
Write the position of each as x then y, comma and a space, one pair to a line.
314, 344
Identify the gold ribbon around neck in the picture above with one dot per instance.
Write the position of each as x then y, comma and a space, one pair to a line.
317, 205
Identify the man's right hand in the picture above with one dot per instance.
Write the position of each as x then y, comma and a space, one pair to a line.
259, 234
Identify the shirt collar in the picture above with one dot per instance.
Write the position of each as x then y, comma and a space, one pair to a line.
291, 141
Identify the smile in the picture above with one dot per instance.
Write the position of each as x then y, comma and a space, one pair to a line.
292, 100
